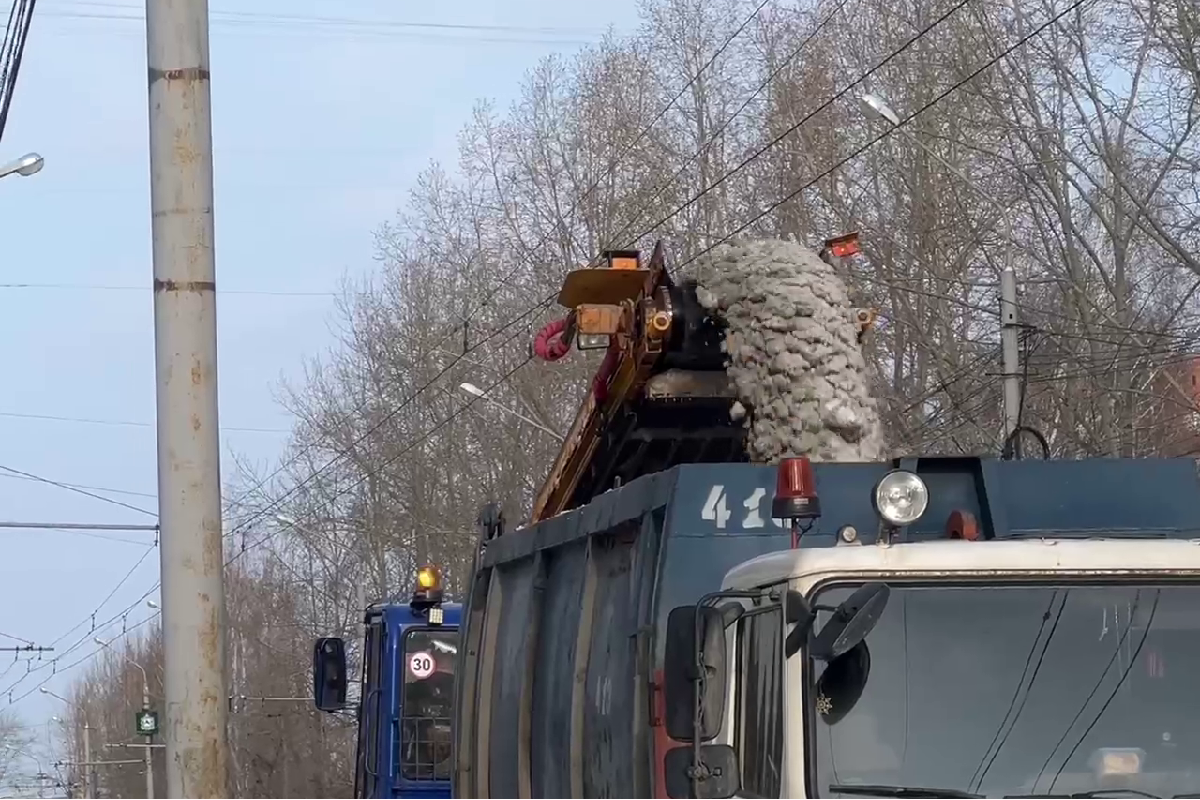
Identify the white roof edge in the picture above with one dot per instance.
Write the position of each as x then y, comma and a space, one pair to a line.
949, 558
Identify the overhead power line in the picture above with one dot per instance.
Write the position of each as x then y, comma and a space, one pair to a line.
12, 49
302, 452
53, 664
270, 18
750, 159
857, 153
715, 135
316, 473
347, 27
854, 155
891, 129
72, 488
125, 423
87, 487
100, 287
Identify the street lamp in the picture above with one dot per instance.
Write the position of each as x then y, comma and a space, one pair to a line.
875, 106
28, 164
147, 721
475, 391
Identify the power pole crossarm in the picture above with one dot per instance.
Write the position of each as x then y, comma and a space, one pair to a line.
185, 344
28, 648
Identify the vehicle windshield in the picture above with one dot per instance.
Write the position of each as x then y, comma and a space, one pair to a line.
427, 703
1021, 690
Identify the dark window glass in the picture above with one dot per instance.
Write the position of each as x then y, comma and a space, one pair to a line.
427, 703
759, 730
1022, 690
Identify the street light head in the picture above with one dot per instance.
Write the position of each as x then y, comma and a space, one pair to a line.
100, 642
472, 389
876, 107
43, 690
151, 604
30, 164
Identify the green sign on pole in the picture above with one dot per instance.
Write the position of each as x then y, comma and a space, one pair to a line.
146, 722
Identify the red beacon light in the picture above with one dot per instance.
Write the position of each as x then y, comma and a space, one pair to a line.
796, 494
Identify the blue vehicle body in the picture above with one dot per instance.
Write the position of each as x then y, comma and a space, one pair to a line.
388, 761
565, 620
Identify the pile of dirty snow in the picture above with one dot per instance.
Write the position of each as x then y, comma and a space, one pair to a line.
793, 354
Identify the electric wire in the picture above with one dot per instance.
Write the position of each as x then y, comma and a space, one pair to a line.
746, 225
521, 262
1120, 682
77, 490
1014, 710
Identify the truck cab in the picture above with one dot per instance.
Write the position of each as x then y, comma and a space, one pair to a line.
405, 707
955, 666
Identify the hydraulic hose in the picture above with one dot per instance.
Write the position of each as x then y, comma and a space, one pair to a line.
549, 344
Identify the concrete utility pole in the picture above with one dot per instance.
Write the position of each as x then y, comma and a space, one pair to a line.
185, 343
1010, 332
87, 759
1010, 328
147, 761
149, 753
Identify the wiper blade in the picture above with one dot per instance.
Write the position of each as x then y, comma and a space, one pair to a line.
883, 790
1094, 793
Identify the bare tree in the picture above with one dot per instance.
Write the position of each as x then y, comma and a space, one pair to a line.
1073, 156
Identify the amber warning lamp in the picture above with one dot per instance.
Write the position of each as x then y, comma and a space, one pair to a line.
622, 259
428, 594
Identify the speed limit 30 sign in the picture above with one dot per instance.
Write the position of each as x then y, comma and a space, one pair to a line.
420, 665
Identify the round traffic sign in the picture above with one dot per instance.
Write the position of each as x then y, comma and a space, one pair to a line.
421, 665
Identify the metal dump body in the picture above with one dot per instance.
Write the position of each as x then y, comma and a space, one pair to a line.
557, 693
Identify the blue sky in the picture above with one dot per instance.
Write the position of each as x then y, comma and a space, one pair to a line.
320, 127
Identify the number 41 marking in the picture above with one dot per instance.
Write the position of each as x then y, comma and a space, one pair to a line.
717, 509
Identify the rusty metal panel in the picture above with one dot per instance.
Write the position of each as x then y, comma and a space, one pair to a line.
609, 699
554, 671
512, 640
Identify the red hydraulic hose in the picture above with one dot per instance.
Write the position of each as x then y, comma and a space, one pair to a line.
603, 375
548, 345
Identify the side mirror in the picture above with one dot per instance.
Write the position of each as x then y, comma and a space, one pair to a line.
851, 622
329, 674
716, 776
490, 521
799, 614
695, 670
841, 685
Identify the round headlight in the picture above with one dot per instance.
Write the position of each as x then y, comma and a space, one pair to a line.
901, 497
